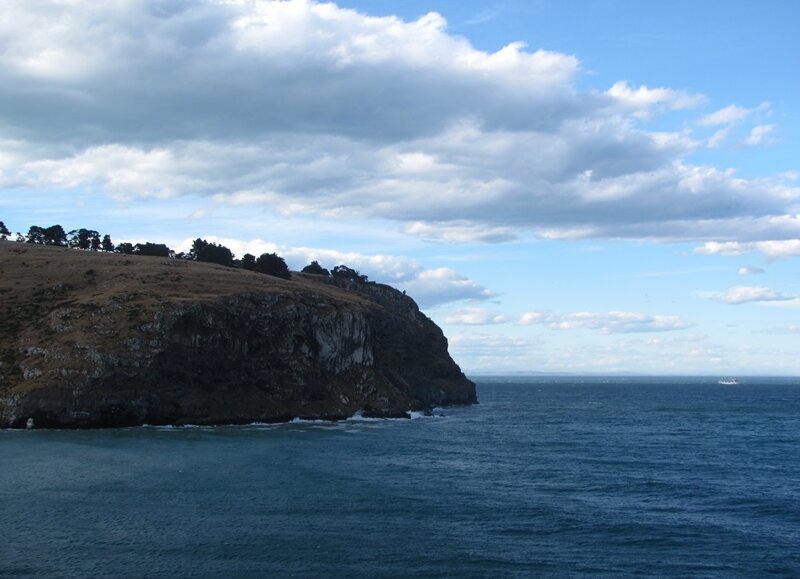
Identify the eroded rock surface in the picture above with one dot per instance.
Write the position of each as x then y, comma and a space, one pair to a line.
95, 340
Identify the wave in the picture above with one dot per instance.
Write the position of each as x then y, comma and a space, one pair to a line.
357, 417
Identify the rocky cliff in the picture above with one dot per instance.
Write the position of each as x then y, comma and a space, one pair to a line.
97, 340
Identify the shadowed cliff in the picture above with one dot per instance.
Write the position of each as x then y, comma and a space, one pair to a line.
96, 340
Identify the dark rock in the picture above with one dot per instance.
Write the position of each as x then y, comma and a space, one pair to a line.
212, 347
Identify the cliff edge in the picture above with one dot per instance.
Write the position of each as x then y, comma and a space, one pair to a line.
99, 340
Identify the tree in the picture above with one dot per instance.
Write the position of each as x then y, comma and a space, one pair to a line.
272, 264
106, 244
199, 247
249, 261
35, 234
4, 232
344, 272
55, 235
211, 252
125, 248
83, 238
315, 268
152, 249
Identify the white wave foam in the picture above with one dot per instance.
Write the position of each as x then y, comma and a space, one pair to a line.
410, 415
359, 417
171, 426
298, 420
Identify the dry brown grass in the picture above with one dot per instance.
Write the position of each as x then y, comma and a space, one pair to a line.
33, 273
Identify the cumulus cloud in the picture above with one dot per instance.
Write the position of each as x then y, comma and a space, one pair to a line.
749, 270
429, 287
307, 107
614, 322
238, 69
772, 249
643, 99
743, 294
432, 287
473, 317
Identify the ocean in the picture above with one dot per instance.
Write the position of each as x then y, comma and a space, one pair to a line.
545, 477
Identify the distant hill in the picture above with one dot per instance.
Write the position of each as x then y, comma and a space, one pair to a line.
93, 339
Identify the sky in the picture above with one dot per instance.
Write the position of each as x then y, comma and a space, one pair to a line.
592, 186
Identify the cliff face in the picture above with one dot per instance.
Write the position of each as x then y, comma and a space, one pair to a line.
94, 340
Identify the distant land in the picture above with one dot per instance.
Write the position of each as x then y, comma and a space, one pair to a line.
523, 373
533, 374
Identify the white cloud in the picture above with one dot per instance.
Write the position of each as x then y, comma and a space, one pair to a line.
750, 270
725, 248
429, 287
649, 353
733, 115
486, 351
305, 107
123, 172
760, 134
743, 294
529, 318
473, 317
790, 329
459, 232
643, 98
772, 249
614, 322
483, 16
718, 137
727, 116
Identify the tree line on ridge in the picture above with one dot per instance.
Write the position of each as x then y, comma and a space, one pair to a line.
202, 250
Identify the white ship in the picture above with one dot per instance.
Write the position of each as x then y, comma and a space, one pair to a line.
728, 381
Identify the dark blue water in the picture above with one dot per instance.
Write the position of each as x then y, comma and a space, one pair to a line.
566, 477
